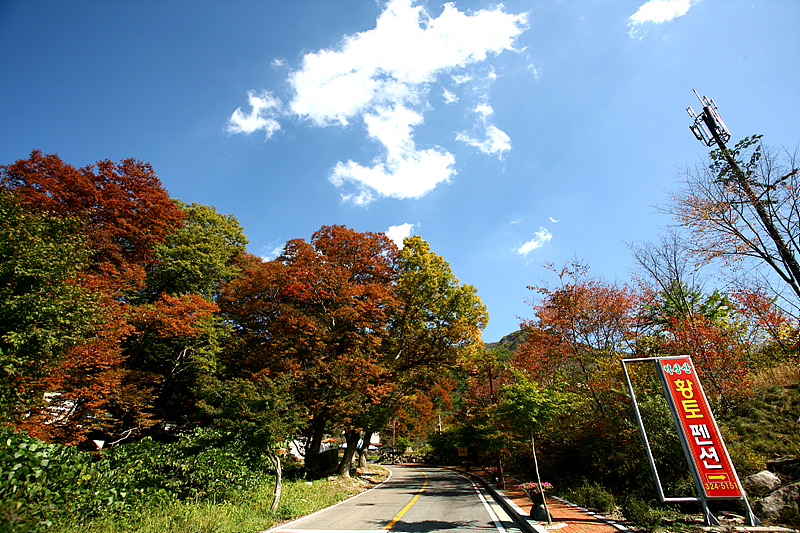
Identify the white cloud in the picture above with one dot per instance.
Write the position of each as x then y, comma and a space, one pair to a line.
495, 141
371, 68
658, 12
539, 239
278, 63
411, 175
398, 233
449, 97
393, 128
262, 117
553, 220
272, 250
485, 110
407, 172
383, 76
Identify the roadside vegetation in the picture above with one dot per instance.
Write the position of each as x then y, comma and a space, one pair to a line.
720, 286
196, 483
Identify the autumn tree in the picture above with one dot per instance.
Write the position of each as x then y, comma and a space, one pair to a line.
582, 327
123, 208
743, 208
341, 282
319, 313
122, 212
721, 331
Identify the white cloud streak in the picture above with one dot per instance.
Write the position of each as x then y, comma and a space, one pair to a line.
449, 97
494, 142
262, 116
383, 76
658, 12
272, 251
400, 232
540, 238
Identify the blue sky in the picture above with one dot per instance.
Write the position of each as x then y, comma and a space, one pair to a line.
506, 135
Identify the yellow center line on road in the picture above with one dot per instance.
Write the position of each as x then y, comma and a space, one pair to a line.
391, 524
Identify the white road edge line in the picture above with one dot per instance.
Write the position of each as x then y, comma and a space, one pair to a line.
492, 514
286, 525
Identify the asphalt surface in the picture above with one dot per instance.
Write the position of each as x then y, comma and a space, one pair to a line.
414, 499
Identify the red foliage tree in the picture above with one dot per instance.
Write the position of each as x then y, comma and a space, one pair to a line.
124, 207
318, 312
581, 329
124, 211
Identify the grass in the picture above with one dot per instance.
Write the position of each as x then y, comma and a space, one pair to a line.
247, 513
767, 421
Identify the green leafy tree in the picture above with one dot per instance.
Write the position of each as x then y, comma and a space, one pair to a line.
259, 413
527, 409
436, 326
178, 330
439, 320
197, 258
44, 310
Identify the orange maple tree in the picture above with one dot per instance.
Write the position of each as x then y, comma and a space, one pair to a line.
581, 329
319, 313
123, 211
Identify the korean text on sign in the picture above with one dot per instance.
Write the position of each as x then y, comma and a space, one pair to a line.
698, 430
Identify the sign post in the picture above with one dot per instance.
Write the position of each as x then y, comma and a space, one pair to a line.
713, 472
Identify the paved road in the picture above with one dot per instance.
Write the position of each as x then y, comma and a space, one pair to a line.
414, 499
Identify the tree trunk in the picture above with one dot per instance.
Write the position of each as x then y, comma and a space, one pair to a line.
276, 461
313, 446
539, 480
351, 437
792, 278
362, 452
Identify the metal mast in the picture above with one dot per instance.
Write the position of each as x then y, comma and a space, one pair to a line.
709, 129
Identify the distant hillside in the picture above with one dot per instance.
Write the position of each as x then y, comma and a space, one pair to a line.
508, 343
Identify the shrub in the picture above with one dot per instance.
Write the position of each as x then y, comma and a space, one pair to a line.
642, 514
42, 483
199, 465
593, 496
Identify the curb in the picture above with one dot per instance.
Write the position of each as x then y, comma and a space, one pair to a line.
530, 526
593, 514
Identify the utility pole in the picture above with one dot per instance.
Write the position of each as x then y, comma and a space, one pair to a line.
709, 129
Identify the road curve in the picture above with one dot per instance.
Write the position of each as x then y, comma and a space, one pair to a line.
414, 499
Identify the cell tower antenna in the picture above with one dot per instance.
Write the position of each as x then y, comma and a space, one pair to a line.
708, 126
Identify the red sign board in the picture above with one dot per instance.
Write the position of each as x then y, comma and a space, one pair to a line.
698, 430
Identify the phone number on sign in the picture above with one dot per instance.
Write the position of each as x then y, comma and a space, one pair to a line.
720, 486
